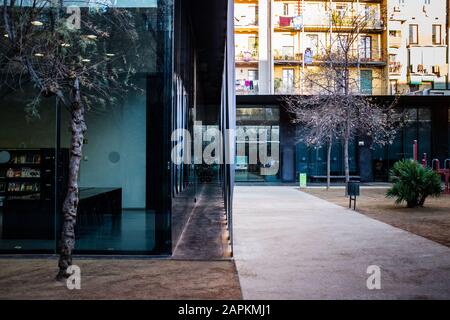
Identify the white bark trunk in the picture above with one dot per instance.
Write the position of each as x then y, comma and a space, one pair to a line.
70, 204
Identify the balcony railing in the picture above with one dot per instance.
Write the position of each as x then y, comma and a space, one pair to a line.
321, 21
395, 67
246, 56
245, 86
395, 42
279, 55
365, 56
245, 22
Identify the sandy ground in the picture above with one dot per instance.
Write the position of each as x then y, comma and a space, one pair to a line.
432, 221
121, 279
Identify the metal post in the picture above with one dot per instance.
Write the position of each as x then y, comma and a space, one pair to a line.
415, 150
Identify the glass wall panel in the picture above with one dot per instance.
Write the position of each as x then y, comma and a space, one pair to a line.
313, 160
112, 214
410, 133
424, 132
257, 144
380, 163
27, 174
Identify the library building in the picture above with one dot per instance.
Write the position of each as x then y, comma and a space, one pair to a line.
132, 198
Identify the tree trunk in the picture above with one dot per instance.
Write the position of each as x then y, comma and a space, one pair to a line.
329, 163
346, 165
70, 204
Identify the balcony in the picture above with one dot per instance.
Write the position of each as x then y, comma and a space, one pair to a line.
282, 55
286, 89
395, 42
318, 21
395, 67
246, 87
366, 57
247, 56
245, 22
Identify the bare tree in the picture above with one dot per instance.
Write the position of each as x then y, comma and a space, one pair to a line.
68, 55
336, 105
319, 121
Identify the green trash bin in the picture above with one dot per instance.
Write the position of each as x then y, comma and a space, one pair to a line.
302, 180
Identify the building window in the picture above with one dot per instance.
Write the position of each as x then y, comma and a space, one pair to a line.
288, 80
427, 1
313, 43
365, 47
341, 10
252, 43
413, 34
436, 37
393, 85
252, 74
286, 9
366, 82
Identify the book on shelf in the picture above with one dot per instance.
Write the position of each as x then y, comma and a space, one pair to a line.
33, 196
23, 173
28, 158
23, 186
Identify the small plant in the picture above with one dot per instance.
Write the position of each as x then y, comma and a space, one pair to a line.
413, 183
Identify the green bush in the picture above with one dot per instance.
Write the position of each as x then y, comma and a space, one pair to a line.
413, 183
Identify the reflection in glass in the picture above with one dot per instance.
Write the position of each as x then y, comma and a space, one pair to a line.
27, 175
257, 144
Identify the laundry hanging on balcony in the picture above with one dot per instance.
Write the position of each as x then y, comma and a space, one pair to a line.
297, 22
285, 21
308, 56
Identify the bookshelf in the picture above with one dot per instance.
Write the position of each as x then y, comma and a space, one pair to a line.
28, 191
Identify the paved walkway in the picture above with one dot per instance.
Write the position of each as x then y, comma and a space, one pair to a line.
204, 236
291, 245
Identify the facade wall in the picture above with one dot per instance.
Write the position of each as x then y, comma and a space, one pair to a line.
398, 65
429, 124
417, 45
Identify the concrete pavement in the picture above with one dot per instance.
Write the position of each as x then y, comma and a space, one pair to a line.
291, 245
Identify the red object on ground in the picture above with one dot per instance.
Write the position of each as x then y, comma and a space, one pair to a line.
445, 172
424, 160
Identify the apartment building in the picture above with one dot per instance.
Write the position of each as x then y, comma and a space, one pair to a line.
400, 48
418, 46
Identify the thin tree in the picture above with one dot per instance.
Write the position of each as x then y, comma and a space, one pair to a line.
319, 121
68, 55
336, 82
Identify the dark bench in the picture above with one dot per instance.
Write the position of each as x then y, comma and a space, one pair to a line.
313, 177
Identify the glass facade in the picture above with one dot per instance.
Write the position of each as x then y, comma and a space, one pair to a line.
313, 160
114, 215
27, 175
257, 131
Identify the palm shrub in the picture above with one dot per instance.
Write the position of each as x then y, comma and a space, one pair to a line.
413, 183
